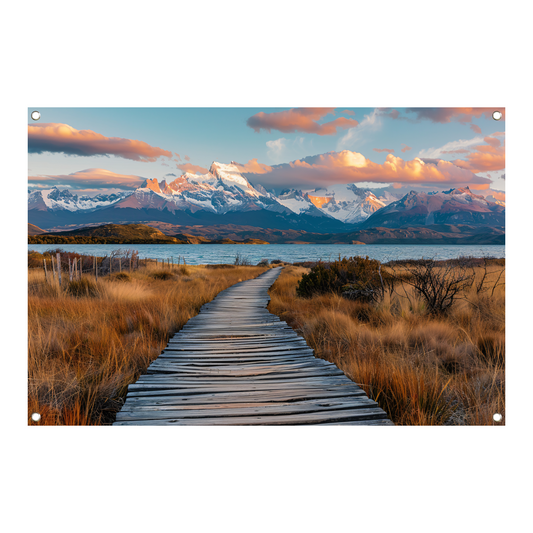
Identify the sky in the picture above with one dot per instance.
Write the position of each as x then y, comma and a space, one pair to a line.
102, 150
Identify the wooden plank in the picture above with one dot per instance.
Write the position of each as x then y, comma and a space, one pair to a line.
229, 410
291, 419
242, 397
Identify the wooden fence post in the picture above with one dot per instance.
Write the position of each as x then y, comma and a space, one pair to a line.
45, 272
58, 256
120, 264
130, 264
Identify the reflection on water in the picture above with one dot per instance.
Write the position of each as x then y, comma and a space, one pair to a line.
197, 254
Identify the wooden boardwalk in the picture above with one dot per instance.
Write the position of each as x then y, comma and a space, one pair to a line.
237, 364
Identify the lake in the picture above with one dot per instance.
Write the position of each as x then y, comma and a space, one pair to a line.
197, 254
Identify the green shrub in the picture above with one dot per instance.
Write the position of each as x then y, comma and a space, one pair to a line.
354, 277
82, 288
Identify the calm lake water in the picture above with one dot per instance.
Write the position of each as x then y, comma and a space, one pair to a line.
198, 254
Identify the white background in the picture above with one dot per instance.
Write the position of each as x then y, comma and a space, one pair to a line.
276, 53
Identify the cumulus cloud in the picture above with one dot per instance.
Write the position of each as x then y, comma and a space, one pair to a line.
475, 128
349, 167
405, 148
90, 178
456, 114
62, 138
389, 150
486, 157
300, 119
193, 169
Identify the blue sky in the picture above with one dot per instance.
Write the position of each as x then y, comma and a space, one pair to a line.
275, 138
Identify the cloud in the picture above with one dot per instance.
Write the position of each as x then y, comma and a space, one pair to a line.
187, 158
193, 169
276, 147
389, 150
348, 112
461, 144
463, 115
475, 128
371, 123
254, 167
388, 112
300, 119
62, 138
486, 157
405, 148
349, 167
90, 178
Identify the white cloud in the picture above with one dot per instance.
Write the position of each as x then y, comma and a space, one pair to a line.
461, 144
276, 147
370, 123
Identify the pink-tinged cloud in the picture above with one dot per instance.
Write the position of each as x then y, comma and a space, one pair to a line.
349, 112
187, 158
484, 159
62, 138
456, 114
90, 178
352, 167
388, 112
389, 150
254, 167
300, 119
406, 148
475, 128
193, 169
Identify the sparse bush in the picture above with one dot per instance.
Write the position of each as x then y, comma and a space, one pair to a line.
353, 277
183, 270
263, 263
121, 276
81, 288
241, 260
162, 275
276, 262
439, 284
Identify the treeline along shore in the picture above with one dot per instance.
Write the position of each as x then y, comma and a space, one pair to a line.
230, 234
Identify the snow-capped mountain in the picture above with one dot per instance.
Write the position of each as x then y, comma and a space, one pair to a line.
56, 200
224, 196
347, 203
188, 199
456, 206
223, 189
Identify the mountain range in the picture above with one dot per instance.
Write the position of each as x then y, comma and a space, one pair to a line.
224, 196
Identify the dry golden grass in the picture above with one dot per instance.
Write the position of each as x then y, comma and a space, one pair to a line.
88, 343
422, 369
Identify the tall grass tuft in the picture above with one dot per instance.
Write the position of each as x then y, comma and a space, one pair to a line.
89, 340
422, 368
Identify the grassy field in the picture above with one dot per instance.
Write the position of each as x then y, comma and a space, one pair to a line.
422, 368
89, 340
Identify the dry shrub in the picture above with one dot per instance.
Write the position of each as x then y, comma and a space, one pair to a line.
121, 276
162, 275
422, 368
